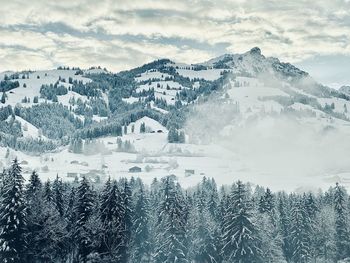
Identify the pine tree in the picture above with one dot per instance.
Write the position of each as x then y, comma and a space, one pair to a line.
3, 98
46, 230
13, 218
57, 193
171, 228
173, 135
239, 238
213, 204
141, 236
84, 210
127, 219
271, 240
143, 128
342, 234
111, 211
300, 232
70, 216
325, 234
266, 203
204, 234
284, 225
48, 195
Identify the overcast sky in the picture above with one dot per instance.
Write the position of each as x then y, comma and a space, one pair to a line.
118, 34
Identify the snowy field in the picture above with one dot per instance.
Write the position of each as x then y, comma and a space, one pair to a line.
158, 158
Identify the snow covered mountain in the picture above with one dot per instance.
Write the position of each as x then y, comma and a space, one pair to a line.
345, 89
169, 118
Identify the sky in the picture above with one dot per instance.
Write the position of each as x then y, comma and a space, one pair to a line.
122, 34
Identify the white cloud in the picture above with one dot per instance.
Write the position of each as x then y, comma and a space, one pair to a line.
107, 33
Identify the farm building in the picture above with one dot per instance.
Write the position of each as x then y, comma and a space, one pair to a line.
135, 169
189, 172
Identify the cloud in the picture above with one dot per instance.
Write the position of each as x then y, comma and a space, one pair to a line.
120, 35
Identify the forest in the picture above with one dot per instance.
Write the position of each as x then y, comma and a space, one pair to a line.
125, 220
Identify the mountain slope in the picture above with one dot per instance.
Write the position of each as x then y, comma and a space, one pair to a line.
72, 115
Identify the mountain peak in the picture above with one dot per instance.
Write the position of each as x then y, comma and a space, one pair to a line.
255, 51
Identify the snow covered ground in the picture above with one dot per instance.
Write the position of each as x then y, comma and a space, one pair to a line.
30, 87
157, 158
149, 75
207, 74
29, 130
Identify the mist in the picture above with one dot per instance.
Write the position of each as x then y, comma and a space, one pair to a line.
277, 150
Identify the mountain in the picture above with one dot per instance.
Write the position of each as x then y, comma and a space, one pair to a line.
253, 63
345, 90
67, 120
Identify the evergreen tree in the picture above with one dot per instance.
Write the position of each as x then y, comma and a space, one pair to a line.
84, 209
239, 234
46, 230
300, 232
141, 237
342, 234
3, 98
173, 135
171, 229
57, 191
70, 216
127, 219
271, 240
143, 128
204, 234
284, 226
266, 203
325, 234
48, 195
111, 211
13, 218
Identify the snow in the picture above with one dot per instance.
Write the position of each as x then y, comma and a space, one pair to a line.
162, 86
249, 98
64, 99
208, 74
149, 75
158, 109
2, 74
130, 100
338, 104
95, 71
151, 125
225, 164
29, 130
99, 118
166, 90
33, 85
251, 82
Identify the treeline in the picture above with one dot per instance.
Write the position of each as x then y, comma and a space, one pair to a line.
54, 119
127, 221
27, 144
51, 92
6, 85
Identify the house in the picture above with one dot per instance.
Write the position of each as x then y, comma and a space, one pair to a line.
135, 169
189, 172
72, 175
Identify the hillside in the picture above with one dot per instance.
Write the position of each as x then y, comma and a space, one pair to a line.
171, 118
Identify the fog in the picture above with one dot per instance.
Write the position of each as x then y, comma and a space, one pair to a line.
278, 150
